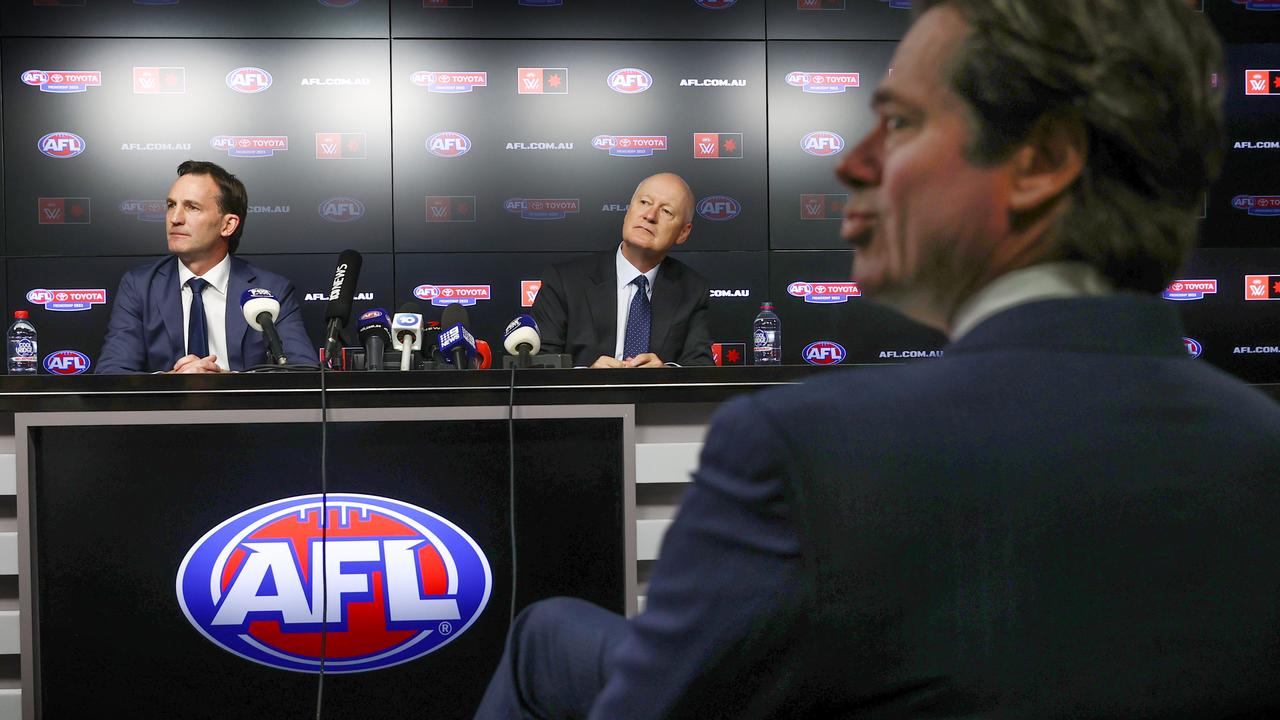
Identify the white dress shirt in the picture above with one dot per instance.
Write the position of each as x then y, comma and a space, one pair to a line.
215, 307
627, 273
1038, 282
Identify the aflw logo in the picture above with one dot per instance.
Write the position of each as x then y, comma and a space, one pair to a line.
1262, 82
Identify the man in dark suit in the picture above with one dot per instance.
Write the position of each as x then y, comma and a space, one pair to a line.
1066, 516
635, 306
182, 313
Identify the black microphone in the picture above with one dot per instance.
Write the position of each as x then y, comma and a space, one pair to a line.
341, 293
457, 344
375, 335
261, 309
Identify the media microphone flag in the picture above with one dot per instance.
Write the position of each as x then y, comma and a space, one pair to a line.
261, 309
457, 344
375, 335
341, 292
406, 333
521, 338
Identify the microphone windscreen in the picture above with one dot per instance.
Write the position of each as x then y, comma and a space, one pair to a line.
375, 316
254, 302
454, 315
522, 330
485, 353
343, 290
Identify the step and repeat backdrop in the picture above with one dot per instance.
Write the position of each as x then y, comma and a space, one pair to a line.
463, 145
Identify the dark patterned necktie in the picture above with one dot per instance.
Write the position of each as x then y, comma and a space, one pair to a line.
197, 335
639, 318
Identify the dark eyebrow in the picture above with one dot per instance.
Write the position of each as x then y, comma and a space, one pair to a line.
883, 96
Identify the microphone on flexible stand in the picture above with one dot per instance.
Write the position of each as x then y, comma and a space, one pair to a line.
406, 333
261, 309
521, 338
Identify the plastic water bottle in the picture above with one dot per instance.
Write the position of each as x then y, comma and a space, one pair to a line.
22, 345
767, 336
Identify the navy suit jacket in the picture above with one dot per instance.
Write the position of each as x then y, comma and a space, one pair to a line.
577, 311
145, 331
1066, 516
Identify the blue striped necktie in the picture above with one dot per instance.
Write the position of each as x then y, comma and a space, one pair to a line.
639, 318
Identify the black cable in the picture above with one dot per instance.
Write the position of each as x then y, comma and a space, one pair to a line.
324, 531
511, 490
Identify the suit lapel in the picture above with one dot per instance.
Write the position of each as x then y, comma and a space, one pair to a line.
166, 296
666, 296
240, 280
602, 303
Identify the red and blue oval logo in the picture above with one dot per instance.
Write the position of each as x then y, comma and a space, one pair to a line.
719, 207
629, 80
823, 352
822, 143
249, 80
448, 144
61, 145
398, 582
1194, 348
716, 4
66, 362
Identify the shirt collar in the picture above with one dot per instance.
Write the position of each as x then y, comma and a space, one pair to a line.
627, 272
218, 275
1039, 282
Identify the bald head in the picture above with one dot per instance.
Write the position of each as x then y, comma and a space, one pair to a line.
673, 181
658, 218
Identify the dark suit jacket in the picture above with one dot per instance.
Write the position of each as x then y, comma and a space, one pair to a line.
577, 311
1065, 517
145, 331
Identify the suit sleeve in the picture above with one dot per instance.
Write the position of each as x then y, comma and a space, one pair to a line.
730, 561
551, 312
293, 334
697, 342
123, 350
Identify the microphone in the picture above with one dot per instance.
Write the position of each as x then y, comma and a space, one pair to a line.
375, 335
261, 309
406, 333
457, 345
431, 344
341, 294
521, 338
485, 353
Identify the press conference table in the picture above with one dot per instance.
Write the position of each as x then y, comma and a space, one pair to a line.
120, 477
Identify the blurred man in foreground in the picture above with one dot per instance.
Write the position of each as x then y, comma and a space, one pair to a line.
635, 306
1064, 517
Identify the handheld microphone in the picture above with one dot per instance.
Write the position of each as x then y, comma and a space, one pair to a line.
521, 338
431, 343
341, 293
375, 335
261, 309
406, 333
457, 345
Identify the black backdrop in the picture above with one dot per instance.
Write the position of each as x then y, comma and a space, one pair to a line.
361, 91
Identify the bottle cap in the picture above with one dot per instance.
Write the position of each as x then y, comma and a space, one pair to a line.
21, 314
766, 305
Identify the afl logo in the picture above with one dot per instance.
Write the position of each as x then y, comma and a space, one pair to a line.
61, 145
822, 143
448, 144
66, 362
630, 81
249, 80
716, 4
398, 582
823, 352
1194, 348
341, 209
719, 207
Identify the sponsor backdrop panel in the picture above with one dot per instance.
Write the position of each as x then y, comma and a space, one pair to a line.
195, 18
1244, 20
1230, 305
658, 19
304, 123
69, 300
528, 145
838, 19
568, 479
739, 283
820, 107
818, 304
493, 289
1244, 205
312, 276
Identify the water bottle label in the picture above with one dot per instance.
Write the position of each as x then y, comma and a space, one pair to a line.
761, 339
24, 348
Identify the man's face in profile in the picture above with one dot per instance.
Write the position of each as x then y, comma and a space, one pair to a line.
925, 222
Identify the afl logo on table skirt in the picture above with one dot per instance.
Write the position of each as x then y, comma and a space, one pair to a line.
400, 582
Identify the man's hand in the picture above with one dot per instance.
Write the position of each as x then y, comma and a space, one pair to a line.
644, 360
196, 364
607, 361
